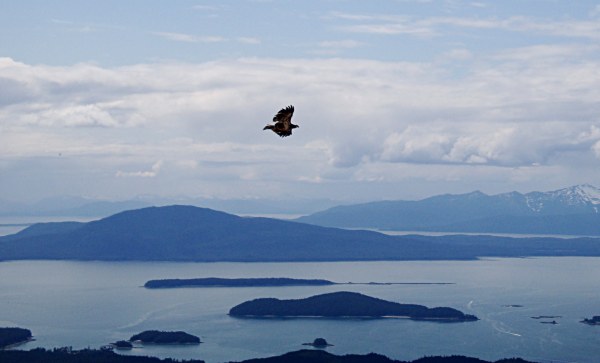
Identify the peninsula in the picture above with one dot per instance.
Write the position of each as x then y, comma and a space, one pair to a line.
12, 336
241, 282
593, 321
165, 337
344, 305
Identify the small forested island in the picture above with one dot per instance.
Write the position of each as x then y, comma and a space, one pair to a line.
595, 320
165, 337
10, 336
319, 343
240, 282
345, 305
122, 344
68, 355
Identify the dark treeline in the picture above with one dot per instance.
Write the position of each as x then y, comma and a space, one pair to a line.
319, 356
241, 282
67, 355
10, 336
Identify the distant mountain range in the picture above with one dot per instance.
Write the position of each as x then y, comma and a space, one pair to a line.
570, 211
70, 206
187, 233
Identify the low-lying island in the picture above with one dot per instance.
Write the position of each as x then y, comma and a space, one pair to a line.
344, 304
238, 282
165, 337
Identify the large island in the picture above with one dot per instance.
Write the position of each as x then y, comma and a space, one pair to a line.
345, 305
241, 282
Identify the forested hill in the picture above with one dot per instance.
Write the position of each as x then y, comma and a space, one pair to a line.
185, 233
344, 304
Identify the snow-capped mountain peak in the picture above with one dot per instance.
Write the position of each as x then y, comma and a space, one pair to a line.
591, 192
578, 194
576, 199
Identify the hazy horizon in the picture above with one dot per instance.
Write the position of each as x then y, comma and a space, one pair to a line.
287, 204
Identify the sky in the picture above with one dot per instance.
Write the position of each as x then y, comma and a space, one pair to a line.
396, 99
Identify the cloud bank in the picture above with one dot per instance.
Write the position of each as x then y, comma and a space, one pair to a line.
516, 115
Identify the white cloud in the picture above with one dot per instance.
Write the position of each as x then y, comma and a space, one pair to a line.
477, 4
346, 44
205, 7
359, 120
190, 38
458, 54
433, 26
335, 47
154, 170
596, 148
78, 27
405, 28
248, 40
93, 115
416, 144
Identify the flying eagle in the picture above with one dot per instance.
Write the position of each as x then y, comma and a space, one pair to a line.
283, 122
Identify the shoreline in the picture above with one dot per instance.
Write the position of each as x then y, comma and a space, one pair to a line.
349, 317
14, 345
208, 282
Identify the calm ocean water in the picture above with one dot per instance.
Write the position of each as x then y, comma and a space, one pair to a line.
83, 304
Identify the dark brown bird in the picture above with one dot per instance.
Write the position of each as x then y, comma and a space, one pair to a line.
283, 122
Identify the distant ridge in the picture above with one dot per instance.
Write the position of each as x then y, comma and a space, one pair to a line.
570, 211
185, 233
69, 206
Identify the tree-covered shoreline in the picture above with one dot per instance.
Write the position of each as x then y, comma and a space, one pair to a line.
11, 336
345, 304
68, 355
237, 282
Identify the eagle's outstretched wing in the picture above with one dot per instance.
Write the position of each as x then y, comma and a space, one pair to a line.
285, 116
